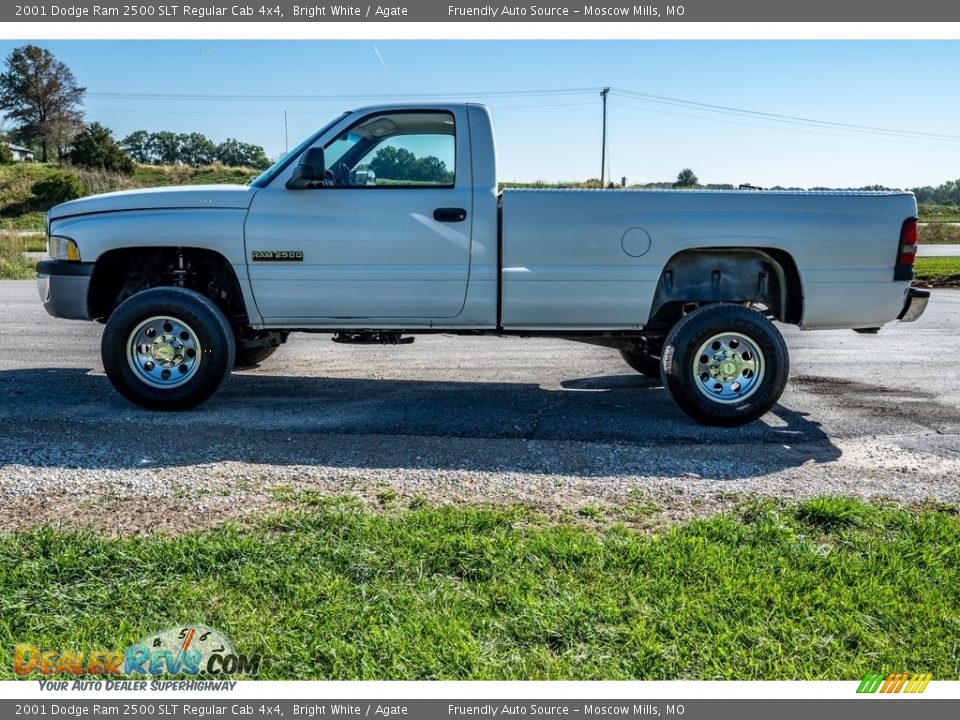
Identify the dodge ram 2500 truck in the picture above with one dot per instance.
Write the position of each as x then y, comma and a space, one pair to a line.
387, 222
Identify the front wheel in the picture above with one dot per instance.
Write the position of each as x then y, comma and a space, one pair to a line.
167, 348
725, 364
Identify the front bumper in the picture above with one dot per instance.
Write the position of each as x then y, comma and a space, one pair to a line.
63, 288
914, 305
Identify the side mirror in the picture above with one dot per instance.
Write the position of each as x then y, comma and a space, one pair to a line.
309, 170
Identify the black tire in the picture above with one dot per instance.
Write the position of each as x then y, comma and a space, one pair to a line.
690, 388
642, 362
208, 367
250, 357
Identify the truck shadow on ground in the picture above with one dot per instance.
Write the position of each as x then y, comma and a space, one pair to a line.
611, 424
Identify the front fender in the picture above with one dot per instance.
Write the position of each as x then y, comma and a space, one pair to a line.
216, 229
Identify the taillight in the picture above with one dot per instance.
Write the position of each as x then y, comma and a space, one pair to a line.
907, 251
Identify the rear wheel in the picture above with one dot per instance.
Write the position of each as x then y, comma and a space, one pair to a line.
167, 348
725, 364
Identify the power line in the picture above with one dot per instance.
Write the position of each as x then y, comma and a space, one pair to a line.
804, 130
778, 117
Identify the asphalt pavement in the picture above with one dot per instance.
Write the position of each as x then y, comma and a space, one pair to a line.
557, 425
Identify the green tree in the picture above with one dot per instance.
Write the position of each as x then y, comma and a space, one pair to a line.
137, 145
686, 179
96, 148
196, 149
165, 147
432, 169
393, 163
40, 95
234, 153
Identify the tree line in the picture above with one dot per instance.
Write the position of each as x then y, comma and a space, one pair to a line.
394, 163
946, 194
40, 97
195, 149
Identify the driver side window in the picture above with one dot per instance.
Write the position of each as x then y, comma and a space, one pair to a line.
406, 149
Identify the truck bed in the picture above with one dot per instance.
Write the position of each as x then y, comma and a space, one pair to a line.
579, 256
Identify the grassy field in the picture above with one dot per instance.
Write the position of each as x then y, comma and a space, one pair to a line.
825, 589
938, 272
939, 213
14, 266
19, 211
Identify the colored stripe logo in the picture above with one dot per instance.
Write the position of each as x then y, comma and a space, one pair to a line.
894, 683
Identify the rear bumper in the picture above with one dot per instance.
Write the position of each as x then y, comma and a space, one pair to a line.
914, 305
63, 288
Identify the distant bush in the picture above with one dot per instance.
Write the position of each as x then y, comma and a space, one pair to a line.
6, 154
96, 148
234, 153
57, 189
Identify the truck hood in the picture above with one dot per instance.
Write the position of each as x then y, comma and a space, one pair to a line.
188, 196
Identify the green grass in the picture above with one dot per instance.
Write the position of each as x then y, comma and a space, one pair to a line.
13, 264
938, 272
939, 213
826, 589
161, 175
32, 221
19, 211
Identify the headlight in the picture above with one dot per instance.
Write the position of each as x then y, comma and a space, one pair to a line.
61, 248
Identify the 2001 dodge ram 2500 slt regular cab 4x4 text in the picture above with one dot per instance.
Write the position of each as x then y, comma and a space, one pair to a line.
388, 222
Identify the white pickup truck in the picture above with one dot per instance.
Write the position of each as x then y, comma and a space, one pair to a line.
387, 223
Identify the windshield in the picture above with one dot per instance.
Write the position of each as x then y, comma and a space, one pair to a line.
271, 172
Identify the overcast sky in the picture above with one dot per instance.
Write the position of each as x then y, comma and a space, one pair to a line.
856, 92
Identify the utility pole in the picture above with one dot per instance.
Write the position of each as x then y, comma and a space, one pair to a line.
603, 144
286, 136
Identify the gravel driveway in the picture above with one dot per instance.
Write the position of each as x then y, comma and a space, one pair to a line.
561, 426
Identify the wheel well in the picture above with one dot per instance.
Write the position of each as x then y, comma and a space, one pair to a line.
756, 275
120, 273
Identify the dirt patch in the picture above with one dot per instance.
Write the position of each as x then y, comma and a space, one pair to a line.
884, 402
103, 511
951, 283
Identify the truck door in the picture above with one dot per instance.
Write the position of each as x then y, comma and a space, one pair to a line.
386, 235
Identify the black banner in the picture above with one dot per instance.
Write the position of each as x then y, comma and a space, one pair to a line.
874, 707
446, 11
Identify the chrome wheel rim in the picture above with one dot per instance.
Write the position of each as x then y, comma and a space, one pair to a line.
728, 367
163, 352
